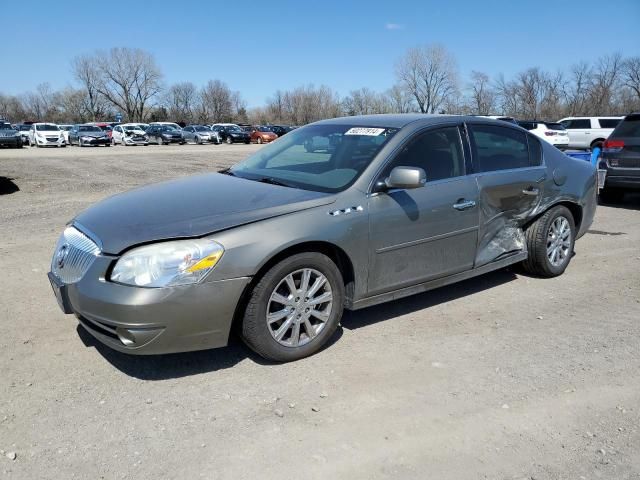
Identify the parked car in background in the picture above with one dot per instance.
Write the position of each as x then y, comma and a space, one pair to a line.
621, 159
231, 133
9, 136
589, 132
104, 126
89, 135
46, 135
129, 134
65, 131
199, 134
262, 134
281, 130
164, 134
279, 244
502, 118
24, 128
551, 132
173, 125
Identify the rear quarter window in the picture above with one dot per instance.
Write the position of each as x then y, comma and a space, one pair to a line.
535, 151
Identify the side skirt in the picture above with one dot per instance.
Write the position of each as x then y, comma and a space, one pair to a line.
439, 282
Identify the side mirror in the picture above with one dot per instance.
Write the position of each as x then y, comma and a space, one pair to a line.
406, 178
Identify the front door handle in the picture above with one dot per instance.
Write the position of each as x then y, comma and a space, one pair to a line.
531, 191
464, 204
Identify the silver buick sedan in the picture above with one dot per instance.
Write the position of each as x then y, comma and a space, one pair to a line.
342, 213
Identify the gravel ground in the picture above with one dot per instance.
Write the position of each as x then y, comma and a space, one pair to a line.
500, 377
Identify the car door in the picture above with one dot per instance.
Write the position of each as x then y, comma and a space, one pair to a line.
424, 233
579, 130
188, 133
118, 135
510, 176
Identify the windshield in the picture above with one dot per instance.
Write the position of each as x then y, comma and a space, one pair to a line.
325, 158
89, 128
264, 129
234, 128
555, 126
5, 126
47, 127
24, 128
201, 129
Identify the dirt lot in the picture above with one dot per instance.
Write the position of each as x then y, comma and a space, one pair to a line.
500, 377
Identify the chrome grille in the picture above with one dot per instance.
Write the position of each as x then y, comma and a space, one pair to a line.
74, 254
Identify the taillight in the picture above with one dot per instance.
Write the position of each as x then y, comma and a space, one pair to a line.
614, 145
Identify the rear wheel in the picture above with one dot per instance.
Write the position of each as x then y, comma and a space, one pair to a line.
158, 140
259, 140
597, 144
229, 140
295, 307
550, 240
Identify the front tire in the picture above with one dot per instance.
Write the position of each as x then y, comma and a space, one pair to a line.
550, 240
295, 308
229, 140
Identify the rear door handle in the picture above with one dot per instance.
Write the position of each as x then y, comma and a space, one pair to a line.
531, 191
464, 204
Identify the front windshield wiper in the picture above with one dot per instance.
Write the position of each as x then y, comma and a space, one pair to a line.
272, 181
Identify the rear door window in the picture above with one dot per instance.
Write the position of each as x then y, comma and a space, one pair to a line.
498, 148
577, 123
608, 122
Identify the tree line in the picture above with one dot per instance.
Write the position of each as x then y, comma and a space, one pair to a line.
130, 82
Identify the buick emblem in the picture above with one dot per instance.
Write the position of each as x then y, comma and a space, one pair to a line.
62, 255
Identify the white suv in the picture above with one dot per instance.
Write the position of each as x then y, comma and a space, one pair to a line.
554, 133
589, 132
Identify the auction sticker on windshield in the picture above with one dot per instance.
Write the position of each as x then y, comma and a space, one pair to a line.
372, 132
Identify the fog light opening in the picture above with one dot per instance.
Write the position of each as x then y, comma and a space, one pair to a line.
126, 337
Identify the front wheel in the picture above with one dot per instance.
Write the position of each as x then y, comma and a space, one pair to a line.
550, 240
259, 141
229, 140
295, 308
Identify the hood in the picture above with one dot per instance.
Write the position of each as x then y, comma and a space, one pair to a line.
189, 207
135, 131
50, 133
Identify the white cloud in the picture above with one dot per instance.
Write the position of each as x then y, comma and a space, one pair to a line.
393, 26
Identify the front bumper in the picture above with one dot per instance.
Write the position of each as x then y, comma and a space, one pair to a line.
151, 320
246, 139
50, 141
172, 140
11, 141
96, 141
135, 140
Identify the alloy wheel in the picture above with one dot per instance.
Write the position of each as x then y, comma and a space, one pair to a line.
558, 241
299, 307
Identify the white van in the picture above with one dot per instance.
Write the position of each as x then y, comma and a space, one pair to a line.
589, 132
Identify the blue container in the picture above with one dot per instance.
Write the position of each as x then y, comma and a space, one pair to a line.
579, 154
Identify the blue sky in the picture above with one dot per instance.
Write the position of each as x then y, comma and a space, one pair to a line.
259, 47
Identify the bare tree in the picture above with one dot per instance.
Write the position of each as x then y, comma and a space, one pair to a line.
631, 75
216, 102
576, 91
482, 94
181, 102
400, 100
86, 72
605, 80
366, 102
129, 79
429, 74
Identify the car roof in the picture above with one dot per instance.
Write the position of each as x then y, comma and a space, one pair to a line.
400, 120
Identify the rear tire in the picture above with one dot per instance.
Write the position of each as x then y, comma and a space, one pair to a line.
597, 143
611, 195
259, 333
229, 140
550, 241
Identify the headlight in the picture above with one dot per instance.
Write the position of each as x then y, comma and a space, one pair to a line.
167, 264
39, 135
